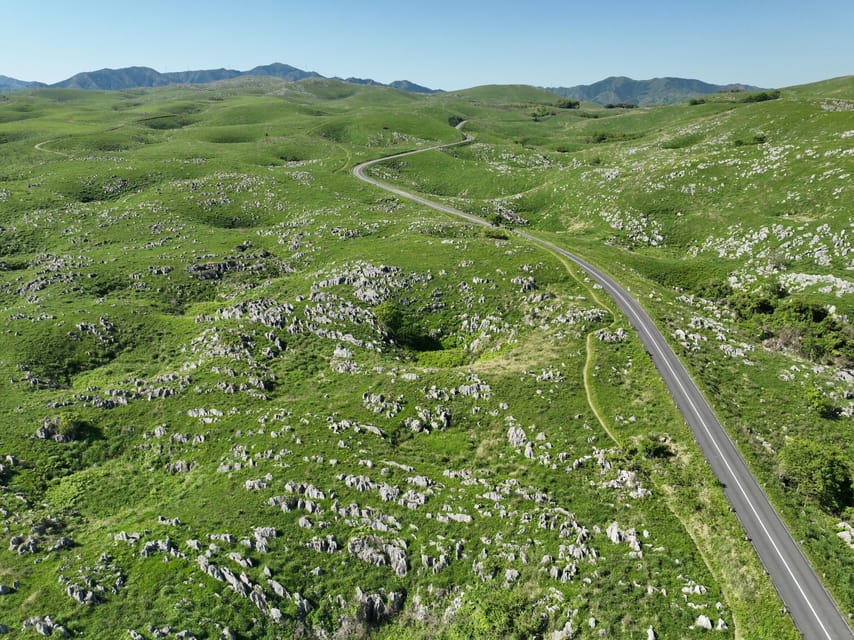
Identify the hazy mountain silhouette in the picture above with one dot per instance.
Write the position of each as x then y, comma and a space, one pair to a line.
619, 89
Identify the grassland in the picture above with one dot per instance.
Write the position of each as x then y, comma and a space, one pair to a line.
248, 396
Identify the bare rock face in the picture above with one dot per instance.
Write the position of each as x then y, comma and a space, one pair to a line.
846, 533
179, 466
278, 589
61, 544
376, 608
434, 564
703, 622
565, 633
323, 545
81, 595
516, 436
303, 605
23, 545
45, 626
376, 551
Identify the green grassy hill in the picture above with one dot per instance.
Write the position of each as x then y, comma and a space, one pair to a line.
497, 94
248, 396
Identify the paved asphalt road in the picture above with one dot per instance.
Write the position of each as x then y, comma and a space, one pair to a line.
813, 610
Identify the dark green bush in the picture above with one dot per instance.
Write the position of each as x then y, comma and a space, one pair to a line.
818, 472
762, 96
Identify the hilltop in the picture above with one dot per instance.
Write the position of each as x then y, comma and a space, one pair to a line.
615, 90
505, 94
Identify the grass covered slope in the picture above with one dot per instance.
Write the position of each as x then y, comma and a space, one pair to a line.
247, 396
732, 217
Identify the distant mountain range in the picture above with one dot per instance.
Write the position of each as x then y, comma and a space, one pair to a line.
612, 90
619, 89
12, 84
134, 77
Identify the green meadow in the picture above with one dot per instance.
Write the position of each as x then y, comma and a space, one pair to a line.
246, 395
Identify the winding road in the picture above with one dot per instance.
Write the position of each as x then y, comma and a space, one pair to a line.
811, 607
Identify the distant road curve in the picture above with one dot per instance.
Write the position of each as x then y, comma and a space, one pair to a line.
813, 610
41, 148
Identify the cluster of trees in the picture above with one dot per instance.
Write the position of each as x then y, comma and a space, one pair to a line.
762, 96
621, 105
567, 103
542, 111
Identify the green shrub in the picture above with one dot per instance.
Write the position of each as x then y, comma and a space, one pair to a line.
757, 138
819, 472
496, 613
607, 136
762, 96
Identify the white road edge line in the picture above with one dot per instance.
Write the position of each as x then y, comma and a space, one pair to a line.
729, 468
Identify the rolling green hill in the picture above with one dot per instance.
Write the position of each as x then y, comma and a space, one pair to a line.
248, 396
497, 94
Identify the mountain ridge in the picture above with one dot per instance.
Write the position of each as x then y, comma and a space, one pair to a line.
663, 90
13, 84
614, 89
108, 79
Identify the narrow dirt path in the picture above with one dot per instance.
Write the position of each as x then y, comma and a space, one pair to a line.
40, 147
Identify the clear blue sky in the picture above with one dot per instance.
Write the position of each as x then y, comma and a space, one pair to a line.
441, 44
